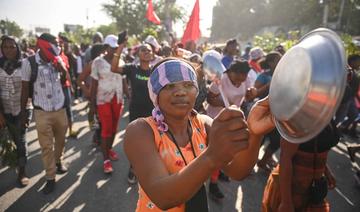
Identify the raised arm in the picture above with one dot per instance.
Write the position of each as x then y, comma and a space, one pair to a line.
260, 121
228, 136
164, 189
115, 61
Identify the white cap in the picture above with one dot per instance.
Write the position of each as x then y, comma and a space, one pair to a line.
256, 53
152, 41
111, 40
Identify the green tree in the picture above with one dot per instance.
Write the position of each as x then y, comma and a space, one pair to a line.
108, 29
130, 15
10, 28
80, 35
246, 17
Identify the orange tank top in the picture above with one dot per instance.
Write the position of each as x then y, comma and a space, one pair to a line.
172, 158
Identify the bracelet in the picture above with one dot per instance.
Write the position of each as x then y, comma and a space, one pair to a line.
116, 55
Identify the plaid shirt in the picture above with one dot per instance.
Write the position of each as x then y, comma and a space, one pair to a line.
48, 94
10, 91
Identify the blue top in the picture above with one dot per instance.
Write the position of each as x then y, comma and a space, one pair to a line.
264, 78
227, 60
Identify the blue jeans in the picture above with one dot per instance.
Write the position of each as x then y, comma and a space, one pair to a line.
67, 104
17, 132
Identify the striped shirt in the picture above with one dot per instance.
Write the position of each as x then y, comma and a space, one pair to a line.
48, 94
10, 90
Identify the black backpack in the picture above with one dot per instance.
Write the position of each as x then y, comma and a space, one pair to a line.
34, 72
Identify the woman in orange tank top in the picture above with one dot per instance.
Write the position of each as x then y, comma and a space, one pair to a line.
174, 151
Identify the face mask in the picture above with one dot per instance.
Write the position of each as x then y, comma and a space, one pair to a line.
57, 49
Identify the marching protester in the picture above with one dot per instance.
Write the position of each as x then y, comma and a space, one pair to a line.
12, 115
235, 85
156, 48
231, 50
183, 148
348, 107
138, 75
84, 82
97, 38
301, 181
256, 53
70, 64
45, 73
262, 85
107, 99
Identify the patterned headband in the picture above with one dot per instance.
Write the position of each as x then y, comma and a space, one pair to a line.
167, 72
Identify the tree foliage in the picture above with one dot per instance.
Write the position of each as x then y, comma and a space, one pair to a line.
246, 17
80, 35
130, 15
10, 28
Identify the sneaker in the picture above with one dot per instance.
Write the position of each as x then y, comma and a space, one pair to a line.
49, 187
113, 155
60, 168
108, 167
223, 177
215, 191
131, 177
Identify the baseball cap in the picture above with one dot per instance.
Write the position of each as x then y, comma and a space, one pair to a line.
111, 40
152, 41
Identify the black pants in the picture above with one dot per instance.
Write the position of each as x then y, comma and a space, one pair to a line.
17, 132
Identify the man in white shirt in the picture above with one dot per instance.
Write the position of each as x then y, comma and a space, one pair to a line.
48, 100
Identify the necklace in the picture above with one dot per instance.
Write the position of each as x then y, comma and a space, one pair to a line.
177, 145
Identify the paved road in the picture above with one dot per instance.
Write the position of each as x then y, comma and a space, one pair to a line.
86, 188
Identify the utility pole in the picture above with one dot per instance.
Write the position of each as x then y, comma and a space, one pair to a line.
326, 13
338, 23
168, 19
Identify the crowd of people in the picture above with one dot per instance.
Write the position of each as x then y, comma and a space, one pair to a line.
188, 135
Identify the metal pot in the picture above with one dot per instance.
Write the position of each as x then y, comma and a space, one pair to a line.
308, 85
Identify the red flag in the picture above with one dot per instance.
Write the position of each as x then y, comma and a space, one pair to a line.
192, 31
151, 15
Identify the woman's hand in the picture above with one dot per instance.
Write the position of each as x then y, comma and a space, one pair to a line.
228, 135
260, 119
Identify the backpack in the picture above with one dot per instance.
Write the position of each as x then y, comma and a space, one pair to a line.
34, 72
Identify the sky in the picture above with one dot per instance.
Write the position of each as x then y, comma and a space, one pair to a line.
41, 13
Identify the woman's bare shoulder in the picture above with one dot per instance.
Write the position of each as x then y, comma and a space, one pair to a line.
138, 127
